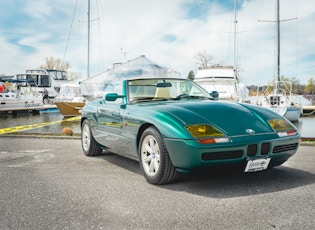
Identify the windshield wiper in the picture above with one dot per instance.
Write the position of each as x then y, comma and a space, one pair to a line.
139, 99
160, 99
187, 96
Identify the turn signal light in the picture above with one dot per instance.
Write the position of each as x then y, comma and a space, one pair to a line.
213, 140
207, 134
282, 127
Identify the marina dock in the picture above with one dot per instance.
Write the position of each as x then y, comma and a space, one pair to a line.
308, 110
28, 109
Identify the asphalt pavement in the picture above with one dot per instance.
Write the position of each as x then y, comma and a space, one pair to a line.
48, 183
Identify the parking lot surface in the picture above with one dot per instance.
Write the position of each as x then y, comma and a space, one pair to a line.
50, 184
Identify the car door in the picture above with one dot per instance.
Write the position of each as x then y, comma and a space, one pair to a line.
109, 122
108, 125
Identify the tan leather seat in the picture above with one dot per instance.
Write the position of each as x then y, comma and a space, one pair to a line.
162, 93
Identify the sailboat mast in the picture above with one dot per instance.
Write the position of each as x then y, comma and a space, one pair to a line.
236, 82
88, 51
235, 22
278, 46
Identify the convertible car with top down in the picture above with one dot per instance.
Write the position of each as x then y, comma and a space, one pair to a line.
173, 126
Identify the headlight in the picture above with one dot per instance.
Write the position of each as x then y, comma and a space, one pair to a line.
207, 134
282, 127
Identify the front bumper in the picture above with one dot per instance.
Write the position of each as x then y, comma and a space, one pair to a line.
189, 154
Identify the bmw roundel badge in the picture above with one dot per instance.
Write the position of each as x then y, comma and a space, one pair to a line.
250, 131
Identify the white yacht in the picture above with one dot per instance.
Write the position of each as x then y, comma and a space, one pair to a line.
222, 79
18, 95
46, 82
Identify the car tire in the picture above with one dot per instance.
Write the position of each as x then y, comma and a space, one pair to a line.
89, 145
155, 162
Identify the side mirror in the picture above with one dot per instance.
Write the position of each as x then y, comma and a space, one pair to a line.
113, 96
214, 95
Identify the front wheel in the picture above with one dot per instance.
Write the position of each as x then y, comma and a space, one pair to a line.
89, 145
155, 162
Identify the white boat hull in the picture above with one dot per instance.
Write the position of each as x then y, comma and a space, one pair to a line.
8, 102
290, 113
14, 104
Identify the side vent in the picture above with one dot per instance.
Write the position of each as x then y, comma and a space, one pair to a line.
222, 155
284, 148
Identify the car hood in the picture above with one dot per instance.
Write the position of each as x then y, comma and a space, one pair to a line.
231, 118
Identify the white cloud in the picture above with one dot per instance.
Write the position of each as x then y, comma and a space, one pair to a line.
39, 9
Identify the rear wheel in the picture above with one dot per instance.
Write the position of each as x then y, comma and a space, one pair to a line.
155, 162
89, 145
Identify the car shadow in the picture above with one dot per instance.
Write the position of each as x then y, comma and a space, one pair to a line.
229, 183
123, 162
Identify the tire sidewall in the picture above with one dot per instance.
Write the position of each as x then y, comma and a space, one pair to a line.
153, 132
84, 124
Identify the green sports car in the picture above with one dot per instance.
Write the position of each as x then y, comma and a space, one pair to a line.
173, 126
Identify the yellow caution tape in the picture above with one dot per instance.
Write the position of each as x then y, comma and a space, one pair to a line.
35, 126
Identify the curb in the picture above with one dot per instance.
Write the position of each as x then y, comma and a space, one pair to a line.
43, 135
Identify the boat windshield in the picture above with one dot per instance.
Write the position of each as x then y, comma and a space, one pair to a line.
164, 89
57, 74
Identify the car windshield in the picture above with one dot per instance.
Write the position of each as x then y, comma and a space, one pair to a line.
164, 89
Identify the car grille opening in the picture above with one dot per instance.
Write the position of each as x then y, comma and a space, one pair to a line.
265, 147
222, 155
283, 148
251, 150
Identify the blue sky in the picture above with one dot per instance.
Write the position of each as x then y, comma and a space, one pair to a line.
169, 33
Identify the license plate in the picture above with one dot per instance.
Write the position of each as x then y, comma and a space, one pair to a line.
257, 165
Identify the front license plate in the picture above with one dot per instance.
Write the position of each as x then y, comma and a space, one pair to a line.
257, 165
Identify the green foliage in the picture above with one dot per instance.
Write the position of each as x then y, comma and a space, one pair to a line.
290, 84
310, 86
286, 85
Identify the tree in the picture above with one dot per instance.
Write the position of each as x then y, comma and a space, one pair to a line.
203, 59
288, 84
57, 63
191, 75
310, 86
52, 63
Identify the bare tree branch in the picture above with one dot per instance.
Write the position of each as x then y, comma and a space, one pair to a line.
204, 60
